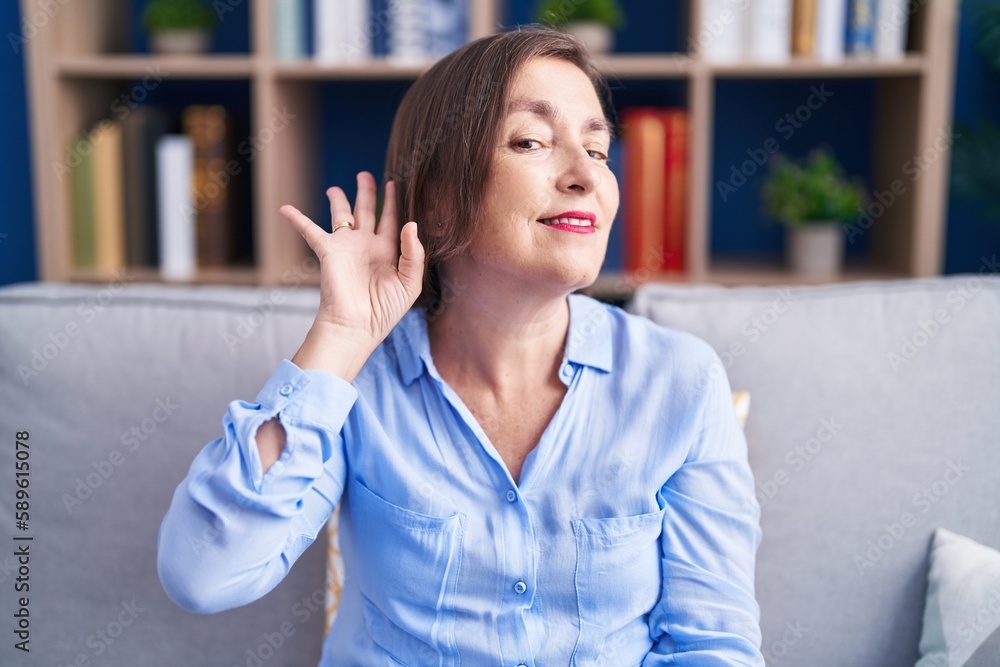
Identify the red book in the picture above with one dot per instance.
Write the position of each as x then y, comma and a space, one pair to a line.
677, 190
654, 146
644, 152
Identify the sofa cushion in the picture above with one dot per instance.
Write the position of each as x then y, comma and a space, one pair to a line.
875, 420
962, 616
119, 386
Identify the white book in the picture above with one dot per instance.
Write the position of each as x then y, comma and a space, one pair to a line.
342, 31
720, 34
891, 21
447, 26
174, 184
768, 31
831, 18
288, 29
408, 32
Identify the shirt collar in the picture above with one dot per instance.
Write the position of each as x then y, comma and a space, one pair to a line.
588, 342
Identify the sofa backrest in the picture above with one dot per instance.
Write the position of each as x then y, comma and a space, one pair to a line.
119, 386
874, 418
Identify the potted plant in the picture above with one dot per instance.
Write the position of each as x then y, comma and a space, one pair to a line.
590, 21
178, 26
814, 200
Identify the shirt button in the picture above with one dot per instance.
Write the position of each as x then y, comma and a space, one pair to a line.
511, 496
520, 587
567, 371
286, 389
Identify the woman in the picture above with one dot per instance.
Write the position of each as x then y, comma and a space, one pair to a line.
527, 476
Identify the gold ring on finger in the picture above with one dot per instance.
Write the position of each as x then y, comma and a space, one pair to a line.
342, 224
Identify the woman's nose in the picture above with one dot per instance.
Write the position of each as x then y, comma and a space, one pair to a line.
579, 171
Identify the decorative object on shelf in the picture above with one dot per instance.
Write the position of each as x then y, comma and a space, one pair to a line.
178, 26
814, 200
591, 21
288, 29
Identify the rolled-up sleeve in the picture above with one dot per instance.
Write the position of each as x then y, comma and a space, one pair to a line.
707, 614
232, 532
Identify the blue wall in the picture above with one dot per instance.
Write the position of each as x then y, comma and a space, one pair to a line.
970, 234
17, 231
746, 117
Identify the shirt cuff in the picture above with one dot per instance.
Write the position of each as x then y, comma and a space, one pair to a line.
308, 396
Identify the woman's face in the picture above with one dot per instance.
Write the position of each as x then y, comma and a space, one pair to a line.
551, 159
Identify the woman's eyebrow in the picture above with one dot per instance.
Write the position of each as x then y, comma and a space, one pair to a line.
544, 109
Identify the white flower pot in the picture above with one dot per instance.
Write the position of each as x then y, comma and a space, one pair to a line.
815, 250
180, 41
597, 37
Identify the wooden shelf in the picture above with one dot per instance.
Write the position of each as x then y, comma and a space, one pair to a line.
224, 276
730, 271
646, 66
75, 67
134, 66
373, 69
911, 65
620, 286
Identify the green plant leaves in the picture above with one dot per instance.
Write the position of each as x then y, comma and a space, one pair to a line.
813, 190
560, 12
177, 15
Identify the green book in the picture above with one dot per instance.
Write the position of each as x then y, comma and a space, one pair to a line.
82, 203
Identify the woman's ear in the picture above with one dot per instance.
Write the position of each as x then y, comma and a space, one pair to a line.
436, 216
436, 228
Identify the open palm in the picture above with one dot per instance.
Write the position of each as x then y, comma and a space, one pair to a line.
366, 284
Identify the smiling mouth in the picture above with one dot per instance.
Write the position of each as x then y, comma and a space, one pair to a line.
569, 225
576, 222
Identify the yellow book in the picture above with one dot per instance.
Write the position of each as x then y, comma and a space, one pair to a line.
804, 28
109, 199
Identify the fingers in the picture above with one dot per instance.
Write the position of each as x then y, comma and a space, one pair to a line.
388, 225
340, 208
364, 207
411, 260
309, 230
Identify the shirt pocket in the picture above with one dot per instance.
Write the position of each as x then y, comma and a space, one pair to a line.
407, 571
618, 578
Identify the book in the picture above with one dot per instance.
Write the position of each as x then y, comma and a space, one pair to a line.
175, 210
720, 34
831, 18
214, 195
407, 40
861, 34
804, 28
109, 200
768, 30
288, 29
891, 22
81, 197
674, 250
140, 129
447, 26
654, 147
644, 141
341, 31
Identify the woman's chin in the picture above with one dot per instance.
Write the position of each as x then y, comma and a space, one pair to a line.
570, 278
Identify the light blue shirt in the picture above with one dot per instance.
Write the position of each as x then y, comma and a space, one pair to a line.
629, 539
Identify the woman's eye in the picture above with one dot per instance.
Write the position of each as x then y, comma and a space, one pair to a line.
520, 143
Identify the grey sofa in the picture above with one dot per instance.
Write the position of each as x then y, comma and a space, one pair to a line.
119, 386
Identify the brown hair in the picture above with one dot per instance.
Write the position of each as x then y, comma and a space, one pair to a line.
445, 132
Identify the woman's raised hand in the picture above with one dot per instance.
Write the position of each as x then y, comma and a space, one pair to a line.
366, 285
